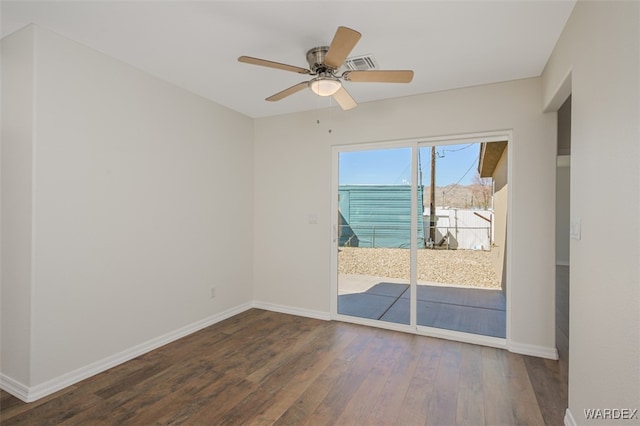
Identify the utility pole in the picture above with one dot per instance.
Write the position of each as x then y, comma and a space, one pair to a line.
432, 198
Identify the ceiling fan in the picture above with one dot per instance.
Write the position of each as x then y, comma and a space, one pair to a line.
324, 62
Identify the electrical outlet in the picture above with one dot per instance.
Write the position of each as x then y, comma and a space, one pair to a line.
213, 292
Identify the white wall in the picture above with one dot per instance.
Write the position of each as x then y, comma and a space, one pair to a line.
142, 201
600, 46
293, 179
16, 154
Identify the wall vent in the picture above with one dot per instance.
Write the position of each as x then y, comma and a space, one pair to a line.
361, 63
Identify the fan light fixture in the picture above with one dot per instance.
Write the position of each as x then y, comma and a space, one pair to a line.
324, 63
325, 86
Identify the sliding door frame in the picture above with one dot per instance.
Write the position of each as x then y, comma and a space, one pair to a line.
335, 153
415, 144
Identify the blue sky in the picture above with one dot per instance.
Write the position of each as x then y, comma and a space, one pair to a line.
393, 166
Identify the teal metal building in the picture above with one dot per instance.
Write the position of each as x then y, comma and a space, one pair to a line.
378, 216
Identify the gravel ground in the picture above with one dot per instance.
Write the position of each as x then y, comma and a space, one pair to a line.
462, 267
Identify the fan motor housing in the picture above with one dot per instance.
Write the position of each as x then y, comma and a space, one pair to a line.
315, 58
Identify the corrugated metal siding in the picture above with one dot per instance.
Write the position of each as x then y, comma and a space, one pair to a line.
379, 215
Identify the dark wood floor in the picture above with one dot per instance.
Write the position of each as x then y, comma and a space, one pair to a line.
263, 368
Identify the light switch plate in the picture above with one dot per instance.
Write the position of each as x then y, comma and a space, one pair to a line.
575, 231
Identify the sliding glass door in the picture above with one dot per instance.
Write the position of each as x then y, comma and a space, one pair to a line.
415, 236
374, 234
457, 282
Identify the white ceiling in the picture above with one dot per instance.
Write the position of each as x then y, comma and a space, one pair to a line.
195, 45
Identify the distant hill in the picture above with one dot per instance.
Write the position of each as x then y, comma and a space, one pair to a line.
475, 195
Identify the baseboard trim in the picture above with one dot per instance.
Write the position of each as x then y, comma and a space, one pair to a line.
533, 350
30, 394
459, 336
14, 387
568, 419
325, 316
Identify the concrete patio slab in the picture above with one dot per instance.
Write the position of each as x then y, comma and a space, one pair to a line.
466, 309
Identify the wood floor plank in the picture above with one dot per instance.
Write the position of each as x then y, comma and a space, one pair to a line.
303, 408
296, 374
311, 340
219, 406
248, 354
388, 407
415, 406
207, 390
363, 401
443, 404
497, 403
10, 406
470, 403
182, 402
125, 404
263, 368
336, 345
334, 404
275, 380
521, 395
161, 390
548, 374
278, 405
56, 411
430, 358
245, 321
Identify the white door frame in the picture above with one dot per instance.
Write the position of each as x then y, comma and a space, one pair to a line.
415, 144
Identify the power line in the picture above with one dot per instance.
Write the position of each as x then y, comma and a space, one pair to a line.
459, 149
465, 173
402, 174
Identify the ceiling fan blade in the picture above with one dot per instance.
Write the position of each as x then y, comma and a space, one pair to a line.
343, 42
271, 64
379, 76
286, 92
344, 99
